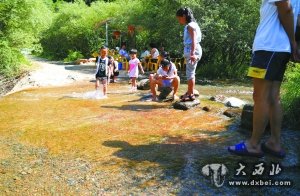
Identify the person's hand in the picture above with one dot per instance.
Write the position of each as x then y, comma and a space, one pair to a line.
295, 53
193, 58
143, 72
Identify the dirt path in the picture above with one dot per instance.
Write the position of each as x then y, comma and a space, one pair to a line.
52, 73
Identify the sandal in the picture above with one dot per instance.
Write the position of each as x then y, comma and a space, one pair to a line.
181, 97
188, 98
281, 154
241, 150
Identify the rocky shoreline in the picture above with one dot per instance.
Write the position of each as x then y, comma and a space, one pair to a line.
7, 84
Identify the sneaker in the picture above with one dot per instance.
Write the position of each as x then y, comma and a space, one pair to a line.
155, 99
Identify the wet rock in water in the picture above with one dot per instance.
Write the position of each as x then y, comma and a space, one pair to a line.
144, 84
196, 93
212, 98
206, 108
234, 102
186, 105
70, 77
232, 112
218, 98
247, 117
164, 92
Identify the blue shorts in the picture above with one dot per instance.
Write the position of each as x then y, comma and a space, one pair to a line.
268, 65
167, 83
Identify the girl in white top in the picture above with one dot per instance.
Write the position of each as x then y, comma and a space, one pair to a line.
134, 65
192, 48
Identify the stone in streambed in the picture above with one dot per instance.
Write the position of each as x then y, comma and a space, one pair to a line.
234, 102
196, 93
247, 117
186, 105
144, 84
164, 92
232, 112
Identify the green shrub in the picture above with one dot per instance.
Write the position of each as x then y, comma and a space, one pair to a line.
78, 27
228, 29
8, 59
73, 56
21, 23
291, 96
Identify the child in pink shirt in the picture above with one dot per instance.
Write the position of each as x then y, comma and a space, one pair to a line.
134, 65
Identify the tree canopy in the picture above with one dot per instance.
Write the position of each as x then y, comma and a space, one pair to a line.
57, 28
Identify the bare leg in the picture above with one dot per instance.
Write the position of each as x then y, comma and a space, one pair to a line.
152, 86
261, 97
191, 86
97, 84
133, 82
275, 118
104, 83
175, 83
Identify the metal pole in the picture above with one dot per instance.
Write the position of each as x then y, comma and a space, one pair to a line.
106, 28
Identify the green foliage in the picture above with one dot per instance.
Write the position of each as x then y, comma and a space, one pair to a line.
21, 22
291, 96
73, 56
81, 28
8, 60
228, 29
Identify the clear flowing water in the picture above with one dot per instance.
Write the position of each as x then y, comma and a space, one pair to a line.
73, 140
96, 94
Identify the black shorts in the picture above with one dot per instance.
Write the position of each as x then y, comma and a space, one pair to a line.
268, 65
116, 73
101, 79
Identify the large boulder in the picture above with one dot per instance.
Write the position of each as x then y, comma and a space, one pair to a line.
144, 84
186, 105
247, 117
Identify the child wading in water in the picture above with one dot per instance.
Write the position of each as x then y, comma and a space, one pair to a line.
134, 65
192, 48
102, 64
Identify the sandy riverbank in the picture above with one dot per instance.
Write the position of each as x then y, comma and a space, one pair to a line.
52, 73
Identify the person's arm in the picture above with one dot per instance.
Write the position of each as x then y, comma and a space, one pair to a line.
116, 65
96, 64
158, 75
286, 17
175, 73
152, 52
193, 46
141, 67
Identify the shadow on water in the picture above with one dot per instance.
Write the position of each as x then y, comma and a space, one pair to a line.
136, 108
181, 160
